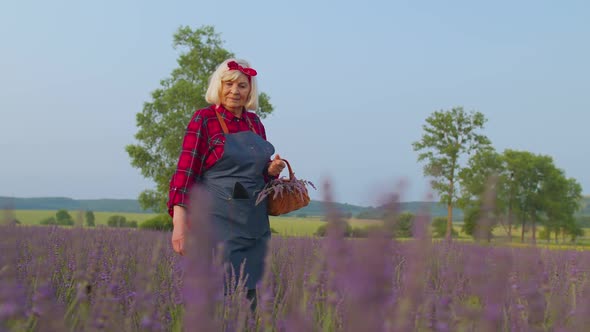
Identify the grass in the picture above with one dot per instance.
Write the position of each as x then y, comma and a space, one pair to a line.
33, 217
297, 226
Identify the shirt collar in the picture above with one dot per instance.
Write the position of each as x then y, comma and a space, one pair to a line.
229, 116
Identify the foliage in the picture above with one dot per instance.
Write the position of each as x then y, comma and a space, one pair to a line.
572, 234
583, 221
90, 218
479, 224
518, 185
64, 218
161, 222
323, 229
449, 135
439, 228
121, 221
163, 120
61, 217
541, 191
399, 225
350, 231
405, 224
470, 221
48, 221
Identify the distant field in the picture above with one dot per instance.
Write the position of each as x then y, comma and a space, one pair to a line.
294, 226
33, 217
285, 226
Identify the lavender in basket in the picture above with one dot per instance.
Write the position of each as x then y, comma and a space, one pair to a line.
277, 187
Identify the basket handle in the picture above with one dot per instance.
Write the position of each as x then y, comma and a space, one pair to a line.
291, 174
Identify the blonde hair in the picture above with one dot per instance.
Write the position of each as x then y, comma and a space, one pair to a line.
223, 74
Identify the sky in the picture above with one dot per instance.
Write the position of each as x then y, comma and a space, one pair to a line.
352, 83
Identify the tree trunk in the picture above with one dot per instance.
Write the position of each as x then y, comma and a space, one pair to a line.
522, 231
449, 221
510, 222
449, 234
533, 220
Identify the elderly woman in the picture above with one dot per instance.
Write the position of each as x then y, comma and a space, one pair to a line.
225, 150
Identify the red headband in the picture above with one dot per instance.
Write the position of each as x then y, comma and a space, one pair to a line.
232, 65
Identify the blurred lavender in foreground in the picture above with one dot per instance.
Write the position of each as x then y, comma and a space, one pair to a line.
59, 278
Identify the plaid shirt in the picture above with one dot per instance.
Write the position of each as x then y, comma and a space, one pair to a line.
202, 147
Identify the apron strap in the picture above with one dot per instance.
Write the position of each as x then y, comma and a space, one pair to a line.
224, 125
221, 122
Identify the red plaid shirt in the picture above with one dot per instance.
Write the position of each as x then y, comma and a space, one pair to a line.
202, 147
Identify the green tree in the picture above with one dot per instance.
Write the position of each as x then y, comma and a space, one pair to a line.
583, 221
161, 222
48, 221
163, 120
439, 228
482, 193
404, 225
470, 218
117, 221
63, 217
540, 192
90, 219
448, 136
563, 198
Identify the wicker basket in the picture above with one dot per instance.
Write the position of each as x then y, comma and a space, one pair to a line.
287, 200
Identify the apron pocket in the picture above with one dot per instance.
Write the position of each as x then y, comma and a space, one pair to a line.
240, 210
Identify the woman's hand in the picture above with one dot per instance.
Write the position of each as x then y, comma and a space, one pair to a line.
276, 166
180, 229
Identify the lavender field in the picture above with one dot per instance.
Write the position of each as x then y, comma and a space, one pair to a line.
59, 279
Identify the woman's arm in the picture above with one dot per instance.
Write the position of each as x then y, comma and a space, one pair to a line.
190, 162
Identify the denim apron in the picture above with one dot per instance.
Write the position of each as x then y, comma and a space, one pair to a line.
234, 182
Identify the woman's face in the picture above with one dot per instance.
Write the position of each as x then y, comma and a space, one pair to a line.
234, 94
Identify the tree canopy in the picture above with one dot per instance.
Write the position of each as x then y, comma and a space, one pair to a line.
449, 135
526, 186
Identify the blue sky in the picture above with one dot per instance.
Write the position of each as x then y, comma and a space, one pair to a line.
351, 82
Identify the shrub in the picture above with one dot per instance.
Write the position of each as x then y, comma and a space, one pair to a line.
161, 222
439, 227
117, 221
48, 221
545, 234
403, 226
64, 218
323, 230
359, 232
90, 219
